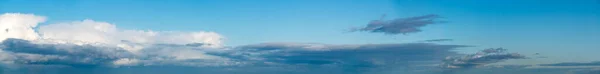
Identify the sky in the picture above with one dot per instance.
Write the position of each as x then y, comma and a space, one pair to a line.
545, 31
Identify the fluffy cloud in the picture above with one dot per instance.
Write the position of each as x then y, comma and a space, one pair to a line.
89, 31
400, 25
487, 56
92, 43
15, 25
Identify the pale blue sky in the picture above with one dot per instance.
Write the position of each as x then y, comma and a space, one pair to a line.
563, 30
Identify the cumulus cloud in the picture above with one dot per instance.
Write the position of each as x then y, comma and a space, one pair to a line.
90, 43
400, 25
15, 25
484, 57
89, 31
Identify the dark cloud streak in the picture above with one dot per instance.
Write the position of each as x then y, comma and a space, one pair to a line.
437, 40
597, 63
26, 52
400, 25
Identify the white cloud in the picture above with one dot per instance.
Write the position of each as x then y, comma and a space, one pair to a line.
89, 31
15, 25
21, 26
126, 61
90, 42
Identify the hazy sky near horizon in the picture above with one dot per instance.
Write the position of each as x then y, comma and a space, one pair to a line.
561, 30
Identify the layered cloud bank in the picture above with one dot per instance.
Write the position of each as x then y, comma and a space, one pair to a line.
359, 55
94, 43
90, 43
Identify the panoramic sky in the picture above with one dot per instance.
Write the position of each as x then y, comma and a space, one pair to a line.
300, 36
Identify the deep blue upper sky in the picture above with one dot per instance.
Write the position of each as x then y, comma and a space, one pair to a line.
554, 28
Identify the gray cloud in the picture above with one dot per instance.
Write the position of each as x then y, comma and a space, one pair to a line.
23, 52
352, 55
400, 25
436, 40
520, 69
585, 71
597, 63
487, 56
357, 56
303, 56
17, 51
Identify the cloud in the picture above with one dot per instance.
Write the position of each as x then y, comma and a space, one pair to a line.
437, 40
573, 64
487, 56
585, 71
400, 25
357, 55
15, 25
89, 31
257, 58
23, 52
518, 69
90, 43
21, 26
101, 45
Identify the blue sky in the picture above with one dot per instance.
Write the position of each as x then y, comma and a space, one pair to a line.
529, 26
562, 30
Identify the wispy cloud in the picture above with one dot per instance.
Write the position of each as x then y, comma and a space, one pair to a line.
585, 71
400, 25
487, 56
574, 64
437, 40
